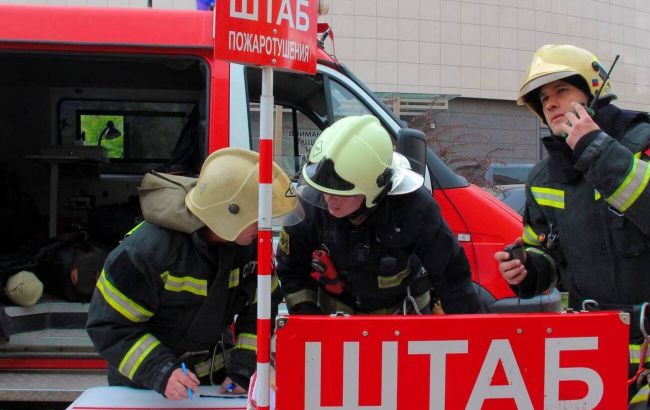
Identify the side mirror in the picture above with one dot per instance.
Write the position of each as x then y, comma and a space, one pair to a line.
412, 144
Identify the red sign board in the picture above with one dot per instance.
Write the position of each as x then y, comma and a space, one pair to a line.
272, 33
518, 361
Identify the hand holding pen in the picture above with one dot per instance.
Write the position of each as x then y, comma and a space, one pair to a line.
181, 384
189, 391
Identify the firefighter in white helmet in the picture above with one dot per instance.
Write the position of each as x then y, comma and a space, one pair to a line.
373, 240
587, 217
169, 292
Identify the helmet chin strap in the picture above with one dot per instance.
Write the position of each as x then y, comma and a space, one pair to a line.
361, 214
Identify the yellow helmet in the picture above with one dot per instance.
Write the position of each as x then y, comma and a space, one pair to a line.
226, 194
353, 156
24, 288
563, 62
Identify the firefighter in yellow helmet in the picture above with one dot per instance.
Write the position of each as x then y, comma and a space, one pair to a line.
373, 240
170, 291
587, 217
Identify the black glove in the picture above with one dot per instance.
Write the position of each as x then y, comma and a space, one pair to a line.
305, 308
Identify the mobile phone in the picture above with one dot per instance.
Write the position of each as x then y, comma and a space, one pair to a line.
516, 251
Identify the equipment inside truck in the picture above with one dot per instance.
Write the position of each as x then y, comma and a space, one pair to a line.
78, 132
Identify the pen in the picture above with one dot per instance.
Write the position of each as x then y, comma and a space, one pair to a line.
189, 391
231, 387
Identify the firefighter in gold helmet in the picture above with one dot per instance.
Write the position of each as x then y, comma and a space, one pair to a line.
587, 218
373, 240
170, 291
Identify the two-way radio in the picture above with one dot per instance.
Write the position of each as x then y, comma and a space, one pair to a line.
592, 107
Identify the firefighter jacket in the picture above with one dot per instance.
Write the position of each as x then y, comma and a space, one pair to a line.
587, 218
403, 245
165, 297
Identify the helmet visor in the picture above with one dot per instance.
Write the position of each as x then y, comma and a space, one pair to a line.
295, 216
323, 176
310, 194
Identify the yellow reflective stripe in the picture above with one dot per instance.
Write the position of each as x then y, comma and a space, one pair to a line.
544, 254
632, 186
247, 341
118, 301
136, 355
640, 399
384, 282
548, 196
202, 369
638, 155
275, 283
530, 237
302, 296
233, 281
185, 284
134, 229
284, 242
635, 354
597, 195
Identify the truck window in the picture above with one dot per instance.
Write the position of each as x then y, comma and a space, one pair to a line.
344, 103
133, 136
293, 136
84, 127
299, 115
301, 112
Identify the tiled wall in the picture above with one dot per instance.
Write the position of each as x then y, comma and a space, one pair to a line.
480, 49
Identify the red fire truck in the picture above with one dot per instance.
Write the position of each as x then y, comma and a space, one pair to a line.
92, 98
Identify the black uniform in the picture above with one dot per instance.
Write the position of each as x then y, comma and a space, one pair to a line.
589, 210
403, 246
166, 297
587, 219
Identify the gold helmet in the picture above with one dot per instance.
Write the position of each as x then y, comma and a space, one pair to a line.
351, 157
226, 194
563, 62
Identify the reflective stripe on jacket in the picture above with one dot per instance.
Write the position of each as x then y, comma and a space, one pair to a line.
163, 294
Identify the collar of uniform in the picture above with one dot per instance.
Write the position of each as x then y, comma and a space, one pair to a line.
560, 160
609, 118
207, 250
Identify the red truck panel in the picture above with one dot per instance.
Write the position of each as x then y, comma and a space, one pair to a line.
473, 211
